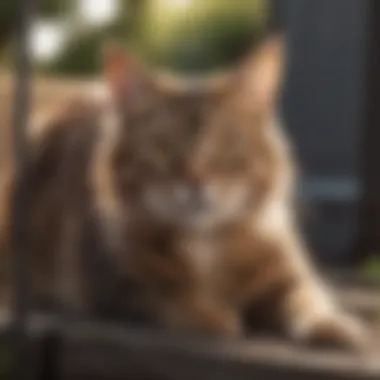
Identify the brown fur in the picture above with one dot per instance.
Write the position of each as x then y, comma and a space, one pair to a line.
184, 195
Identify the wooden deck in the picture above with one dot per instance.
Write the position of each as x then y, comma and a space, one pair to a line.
90, 350
93, 350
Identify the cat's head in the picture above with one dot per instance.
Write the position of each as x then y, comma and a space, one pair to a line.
192, 151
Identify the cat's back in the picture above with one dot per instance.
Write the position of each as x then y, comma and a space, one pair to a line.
65, 145
58, 162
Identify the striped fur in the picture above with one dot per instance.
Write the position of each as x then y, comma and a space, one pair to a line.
177, 204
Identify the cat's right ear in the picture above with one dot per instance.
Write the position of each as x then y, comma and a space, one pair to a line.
123, 72
262, 73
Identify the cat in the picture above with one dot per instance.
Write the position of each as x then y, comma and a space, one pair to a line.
176, 194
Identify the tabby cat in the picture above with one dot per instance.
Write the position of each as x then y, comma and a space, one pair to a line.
176, 195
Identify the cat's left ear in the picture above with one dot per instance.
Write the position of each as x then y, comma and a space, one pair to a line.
123, 72
262, 73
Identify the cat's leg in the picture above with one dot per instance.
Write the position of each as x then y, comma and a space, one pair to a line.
72, 288
312, 315
306, 306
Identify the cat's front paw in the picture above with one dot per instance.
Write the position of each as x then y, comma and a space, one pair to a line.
337, 330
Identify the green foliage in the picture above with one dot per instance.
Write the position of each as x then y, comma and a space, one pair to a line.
5, 362
5, 57
8, 15
55, 8
9, 10
194, 36
200, 35
47, 8
80, 57
372, 267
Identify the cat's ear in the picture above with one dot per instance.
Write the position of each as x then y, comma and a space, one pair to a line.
123, 72
262, 73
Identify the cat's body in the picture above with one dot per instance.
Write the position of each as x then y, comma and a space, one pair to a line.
180, 201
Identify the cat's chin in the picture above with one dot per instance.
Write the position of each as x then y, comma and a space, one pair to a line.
201, 222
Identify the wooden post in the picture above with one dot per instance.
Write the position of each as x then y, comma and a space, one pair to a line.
22, 359
368, 239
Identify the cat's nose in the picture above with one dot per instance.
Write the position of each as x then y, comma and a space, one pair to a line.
192, 194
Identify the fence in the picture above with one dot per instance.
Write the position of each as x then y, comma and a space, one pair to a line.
323, 109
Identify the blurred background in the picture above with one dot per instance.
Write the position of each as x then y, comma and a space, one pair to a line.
330, 104
326, 104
